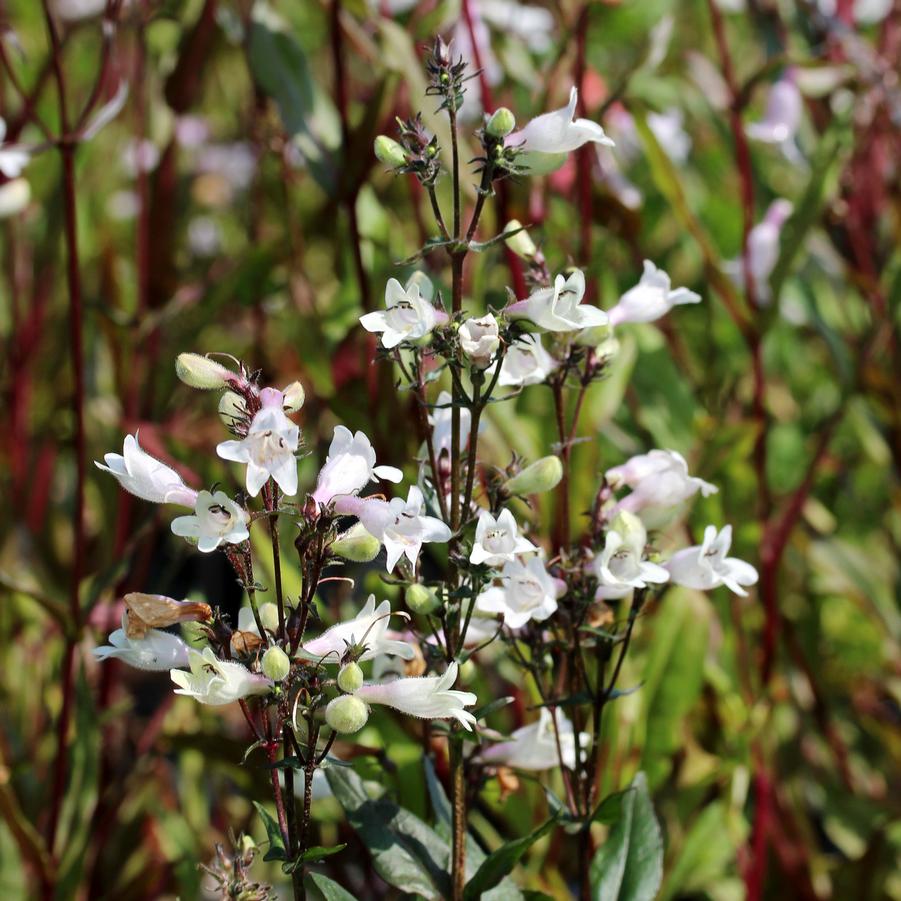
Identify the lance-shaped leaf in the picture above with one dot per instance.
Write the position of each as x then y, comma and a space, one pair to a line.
629, 865
329, 889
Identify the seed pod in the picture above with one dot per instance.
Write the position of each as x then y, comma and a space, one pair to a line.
276, 664
350, 677
346, 714
542, 475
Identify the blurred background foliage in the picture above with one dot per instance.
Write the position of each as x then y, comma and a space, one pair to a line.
234, 205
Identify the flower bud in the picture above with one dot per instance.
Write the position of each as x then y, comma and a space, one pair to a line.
346, 714
293, 397
199, 371
629, 527
520, 243
350, 677
269, 616
542, 475
231, 407
276, 664
389, 152
479, 340
421, 599
467, 672
356, 545
501, 123
246, 845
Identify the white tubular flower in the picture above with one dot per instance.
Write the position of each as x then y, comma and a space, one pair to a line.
480, 340
146, 477
428, 697
559, 131
650, 299
369, 626
13, 159
559, 309
526, 362
217, 519
763, 250
440, 420
268, 450
619, 567
216, 682
408, 316
658, 479
498, 540
156, 651
350, 466
528, 593
534, 747
781, 119
706, 566
401, 526
14, 197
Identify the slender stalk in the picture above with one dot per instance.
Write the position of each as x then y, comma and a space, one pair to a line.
458, 813
563, 488
277, 566
291, 814
247, 577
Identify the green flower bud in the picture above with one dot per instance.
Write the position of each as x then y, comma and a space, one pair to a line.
501, 123
269, 616
294, 397
276, 664
199, 371
346, 714
246, 844
467, 672
356, 545
421, 599
520, 243
231, 407
350, 677
389, 152
542, 475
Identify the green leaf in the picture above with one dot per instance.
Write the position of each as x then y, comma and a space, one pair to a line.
406, 853
318, 852
629, 865
280, 67
501, 862
274, 834
329, 889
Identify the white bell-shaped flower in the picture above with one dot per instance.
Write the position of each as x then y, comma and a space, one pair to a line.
559, 131
407, 317
526, 362
650, 299
528, 593
560, 308
479, 340
763, 250
369, 627
534, 747
13, 159
619, 567
146, 477
350, 466
268, 449
706, 566
156, 650
781, 119
427, 697
216, 682
217, 519
498, 540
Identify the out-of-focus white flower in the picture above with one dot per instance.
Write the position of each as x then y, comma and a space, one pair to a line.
140, 156
235, 164
216, 682
123, 206
559, 309
441, 420
526, 362
533, 25
558, 132
217, 519
498, 540
401, 526
407, 317
619, 567
268, 616
76, 10
369, 626
667, 127
706, 566
204, 236
650, 299
763, 250
156, 650
268, 450
528, 593
534, 747
13, 159
191, 131
350, 466
14, 197
428, 697
479, 340
658, 479
781, 119
146, 477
